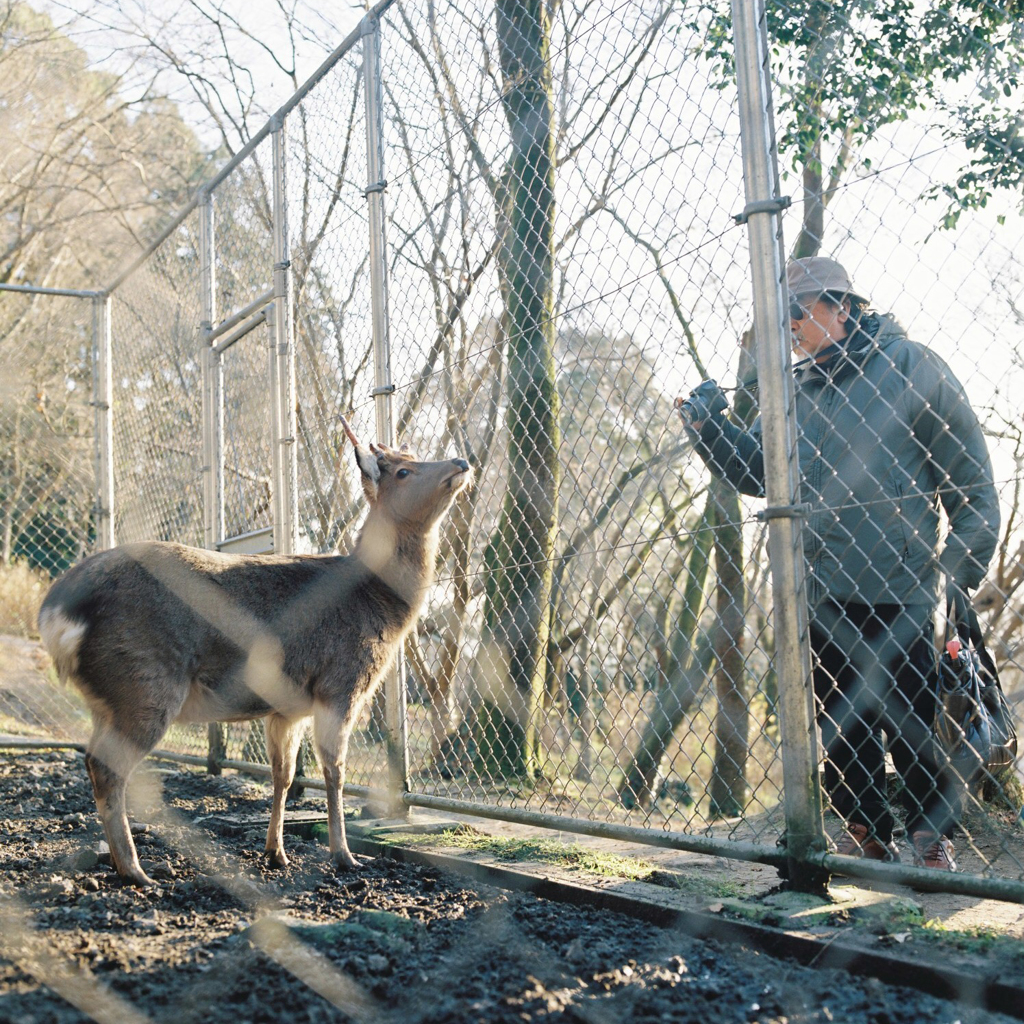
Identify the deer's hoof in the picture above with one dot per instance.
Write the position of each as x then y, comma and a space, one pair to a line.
137, 877
344, 861
277, 859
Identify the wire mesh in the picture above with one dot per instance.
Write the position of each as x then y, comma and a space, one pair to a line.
910, 476
157, 412
243, 226
156, 373
47, 491
562, 263
651, 695
600, 642
328, 241
47, 422
246, 435
895, 463
625, 715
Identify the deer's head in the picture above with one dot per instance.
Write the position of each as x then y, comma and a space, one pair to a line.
411, 494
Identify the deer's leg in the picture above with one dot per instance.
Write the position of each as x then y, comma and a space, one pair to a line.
331, 731
110, 759
283, 738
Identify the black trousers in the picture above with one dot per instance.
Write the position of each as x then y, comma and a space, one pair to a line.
873, 677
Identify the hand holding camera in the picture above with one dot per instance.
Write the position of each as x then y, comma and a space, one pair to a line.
705, 402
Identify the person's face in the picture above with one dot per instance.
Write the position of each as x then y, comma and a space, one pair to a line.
821, 324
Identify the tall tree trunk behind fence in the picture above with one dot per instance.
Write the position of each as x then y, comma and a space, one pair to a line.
688, 660
732, 719
729, 791
518, 558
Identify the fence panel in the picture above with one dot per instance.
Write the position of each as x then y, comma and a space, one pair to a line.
155, 318
47, 492
328, 240
563, 262
246, 435
648, 268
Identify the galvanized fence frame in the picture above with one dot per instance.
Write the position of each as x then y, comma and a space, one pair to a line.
803, 852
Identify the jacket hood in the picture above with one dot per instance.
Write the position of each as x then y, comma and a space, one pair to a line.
877, 331
882, 328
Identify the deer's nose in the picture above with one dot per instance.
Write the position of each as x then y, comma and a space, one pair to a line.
462, 464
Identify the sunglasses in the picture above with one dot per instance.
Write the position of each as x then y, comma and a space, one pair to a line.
797, 311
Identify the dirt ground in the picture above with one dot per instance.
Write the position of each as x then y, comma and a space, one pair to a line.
392, 942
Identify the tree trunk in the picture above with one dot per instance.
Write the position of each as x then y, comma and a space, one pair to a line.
518, 558
729, 790
687, 677
686, 671
446, 745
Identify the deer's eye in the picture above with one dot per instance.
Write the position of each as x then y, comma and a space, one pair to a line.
401, 474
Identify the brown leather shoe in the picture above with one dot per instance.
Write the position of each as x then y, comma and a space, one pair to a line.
856, 841
933, 851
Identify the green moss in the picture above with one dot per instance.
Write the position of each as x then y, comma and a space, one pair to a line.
571, 856
697, 885
501, 745
388, 923
548, 851
973, 939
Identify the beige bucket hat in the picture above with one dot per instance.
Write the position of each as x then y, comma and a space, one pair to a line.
814, 275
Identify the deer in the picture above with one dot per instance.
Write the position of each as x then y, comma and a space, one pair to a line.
153, 633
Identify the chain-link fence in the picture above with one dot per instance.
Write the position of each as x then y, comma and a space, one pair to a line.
514, 241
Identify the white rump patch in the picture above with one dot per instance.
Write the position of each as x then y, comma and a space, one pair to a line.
62, 637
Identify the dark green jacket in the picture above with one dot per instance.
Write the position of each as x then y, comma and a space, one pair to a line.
886, 437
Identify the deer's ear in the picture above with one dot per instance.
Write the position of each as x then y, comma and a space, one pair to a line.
369, 470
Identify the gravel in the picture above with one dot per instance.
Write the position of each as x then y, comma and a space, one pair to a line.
221, 938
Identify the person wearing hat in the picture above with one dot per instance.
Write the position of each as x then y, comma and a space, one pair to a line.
886, 437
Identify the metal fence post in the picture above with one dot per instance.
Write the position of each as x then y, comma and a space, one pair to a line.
803, 803
103, 399
394, 684
285, 463
213, 500
213, 504
280, 537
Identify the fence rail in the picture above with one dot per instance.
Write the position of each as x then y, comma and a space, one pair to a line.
517, 241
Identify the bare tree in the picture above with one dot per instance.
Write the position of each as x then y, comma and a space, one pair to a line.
86, 170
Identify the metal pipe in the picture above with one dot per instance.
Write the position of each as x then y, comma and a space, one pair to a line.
225, 325
803, 803
383, 387
210, 369
217, 398
103, 403
31, 289
286, 470
25, 743
278, 541
394, 682
246, 151
605, 830
212, 413
924, 879
239, 333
